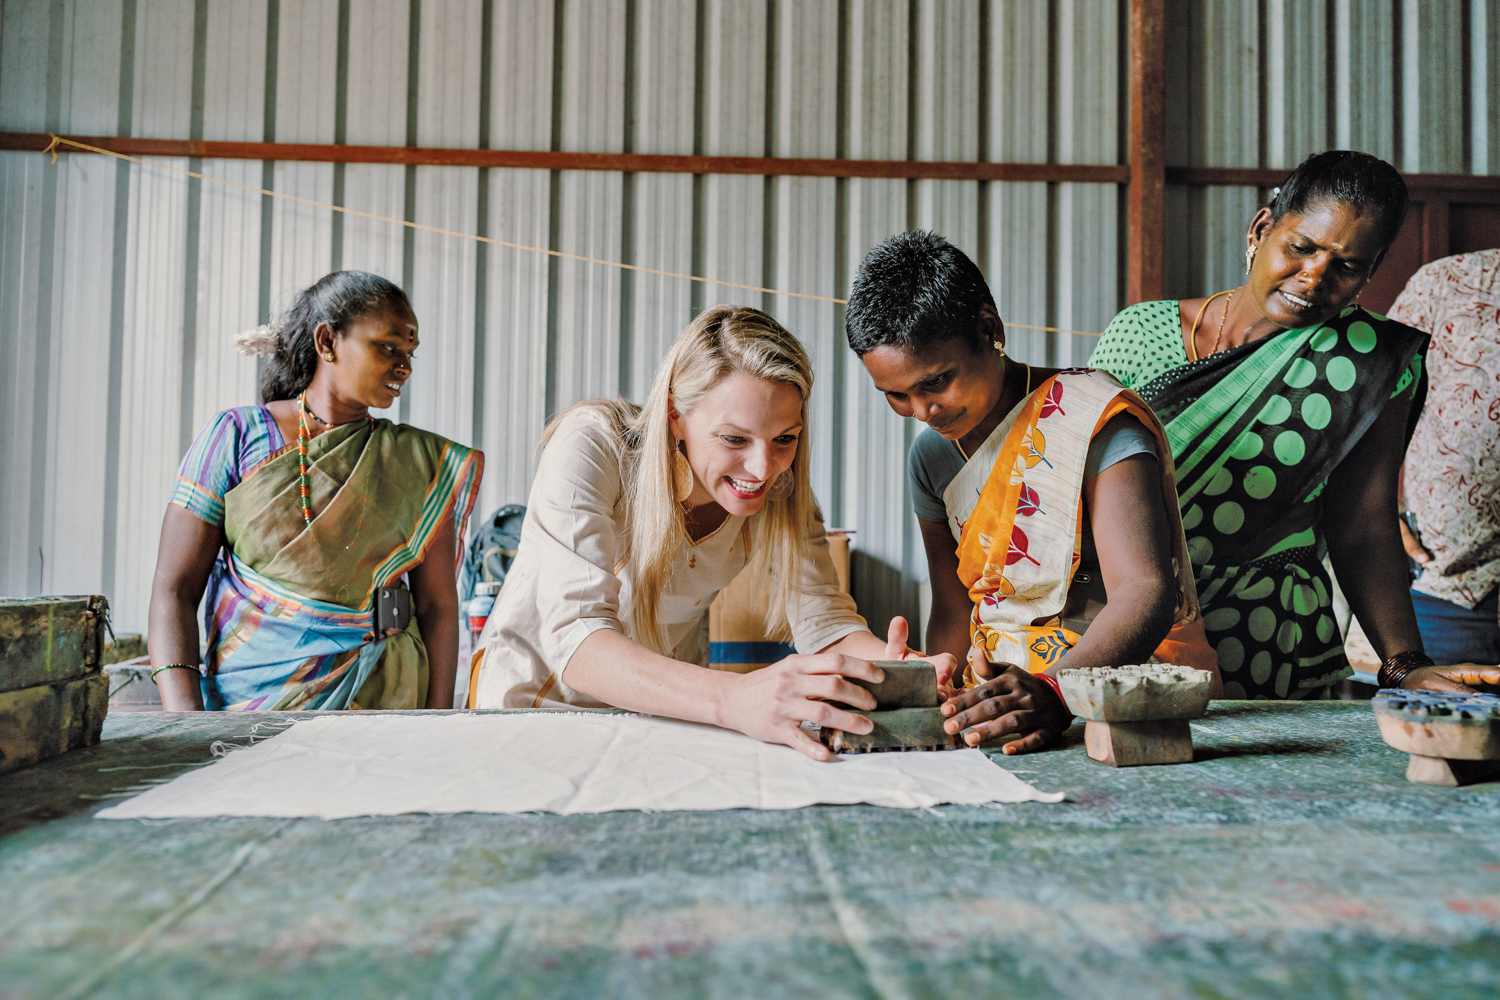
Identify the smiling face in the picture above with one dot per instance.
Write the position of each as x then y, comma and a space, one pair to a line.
373, 357
1307, 267
950, 386
741, 435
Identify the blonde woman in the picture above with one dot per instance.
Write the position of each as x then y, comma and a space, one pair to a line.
640, 515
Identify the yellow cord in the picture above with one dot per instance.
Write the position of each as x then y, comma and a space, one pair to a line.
1193, 337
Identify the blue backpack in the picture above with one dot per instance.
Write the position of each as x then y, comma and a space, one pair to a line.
492, 549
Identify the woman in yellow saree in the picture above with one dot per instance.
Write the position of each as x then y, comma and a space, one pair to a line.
295, 516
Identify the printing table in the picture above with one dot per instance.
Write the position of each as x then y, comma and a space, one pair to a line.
1292, 858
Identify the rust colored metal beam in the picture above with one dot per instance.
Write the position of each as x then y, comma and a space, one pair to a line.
1145, 243
543, 160
1254, 177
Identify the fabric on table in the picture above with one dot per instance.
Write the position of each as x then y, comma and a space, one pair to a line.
1452, 470
566, 582
385, 765
1255, 432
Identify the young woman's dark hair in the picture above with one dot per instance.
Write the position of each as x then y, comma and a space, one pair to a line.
912, 290
1356, 179
335, 299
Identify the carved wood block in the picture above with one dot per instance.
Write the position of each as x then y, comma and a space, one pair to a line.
1137, 693
907, 684
899, 729
1130, 744
1453, 739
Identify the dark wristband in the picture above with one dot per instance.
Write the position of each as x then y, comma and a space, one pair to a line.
1394, 670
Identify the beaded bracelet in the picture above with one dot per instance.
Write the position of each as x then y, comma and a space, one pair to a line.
1394, 670
173, 666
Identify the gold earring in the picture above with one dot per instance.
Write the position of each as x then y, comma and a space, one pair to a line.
682, 477
328, 356
1249, 258
1000, 347
782, 487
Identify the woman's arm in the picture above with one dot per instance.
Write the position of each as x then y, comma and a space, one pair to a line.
1364, 541
1124, 505
769, 704
435, 598
184, 559
948, 624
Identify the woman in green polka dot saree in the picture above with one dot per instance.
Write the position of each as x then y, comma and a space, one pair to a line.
1288, 409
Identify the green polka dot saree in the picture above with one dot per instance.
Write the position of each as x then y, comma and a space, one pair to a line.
1255, 433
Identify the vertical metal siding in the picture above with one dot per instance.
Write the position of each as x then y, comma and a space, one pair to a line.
1249, 85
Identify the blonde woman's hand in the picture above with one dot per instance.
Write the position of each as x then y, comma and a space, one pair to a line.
897, 649
771, 704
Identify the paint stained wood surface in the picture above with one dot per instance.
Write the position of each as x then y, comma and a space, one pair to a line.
1292, 858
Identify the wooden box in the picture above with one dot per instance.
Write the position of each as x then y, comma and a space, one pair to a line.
53, 692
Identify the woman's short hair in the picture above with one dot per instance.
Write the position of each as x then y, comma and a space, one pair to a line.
913, 290
724, 340
1349, 178
337, 299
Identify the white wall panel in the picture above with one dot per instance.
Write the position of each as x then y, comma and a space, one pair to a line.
804, 123
515, 379
945, 124
376, 116
1016, 216
1432, 90
588, 295
661, 230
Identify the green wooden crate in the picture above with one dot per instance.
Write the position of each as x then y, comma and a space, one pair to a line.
53, 694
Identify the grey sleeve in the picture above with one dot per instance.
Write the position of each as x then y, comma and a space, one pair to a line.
926, 490
1121, 438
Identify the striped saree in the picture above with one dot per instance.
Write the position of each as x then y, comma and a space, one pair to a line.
1255, 432
290, 610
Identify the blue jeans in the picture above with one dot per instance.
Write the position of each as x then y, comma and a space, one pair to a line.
1451, 633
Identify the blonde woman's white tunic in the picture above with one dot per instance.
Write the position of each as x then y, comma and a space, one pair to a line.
563, 585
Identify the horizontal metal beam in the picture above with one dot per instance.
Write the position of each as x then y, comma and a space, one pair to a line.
621, 162
521, 159
1255, 177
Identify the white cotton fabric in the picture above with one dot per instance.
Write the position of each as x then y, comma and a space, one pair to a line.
334, 767
563, 585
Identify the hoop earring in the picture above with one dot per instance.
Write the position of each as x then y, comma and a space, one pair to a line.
1249, 258
682, 476
782, 487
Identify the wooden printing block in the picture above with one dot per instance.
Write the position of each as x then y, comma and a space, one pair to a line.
1137, 714
898, 729
907, 684
1453, 738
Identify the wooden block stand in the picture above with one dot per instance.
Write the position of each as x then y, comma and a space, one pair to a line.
53, 695
1453, 739
1137, 715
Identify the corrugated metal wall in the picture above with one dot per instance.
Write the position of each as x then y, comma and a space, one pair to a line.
120, 285
1415, 82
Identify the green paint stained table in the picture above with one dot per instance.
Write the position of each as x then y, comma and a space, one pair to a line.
1291, 859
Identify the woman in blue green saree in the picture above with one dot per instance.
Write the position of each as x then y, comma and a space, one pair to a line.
1288, 409
292, 515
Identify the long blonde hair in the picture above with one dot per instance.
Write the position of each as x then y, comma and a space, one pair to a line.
723, 340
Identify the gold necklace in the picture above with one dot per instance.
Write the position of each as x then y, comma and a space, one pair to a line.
959, 444
1193, 335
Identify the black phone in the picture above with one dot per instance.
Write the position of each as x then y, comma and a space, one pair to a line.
392, 609
1412, 566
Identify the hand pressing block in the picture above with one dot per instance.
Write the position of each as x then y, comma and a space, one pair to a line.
1453, 739
1137, 714
906, 713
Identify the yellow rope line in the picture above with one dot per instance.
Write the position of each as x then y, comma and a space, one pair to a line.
57, 141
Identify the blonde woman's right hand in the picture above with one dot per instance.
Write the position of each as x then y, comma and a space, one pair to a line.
771, 704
